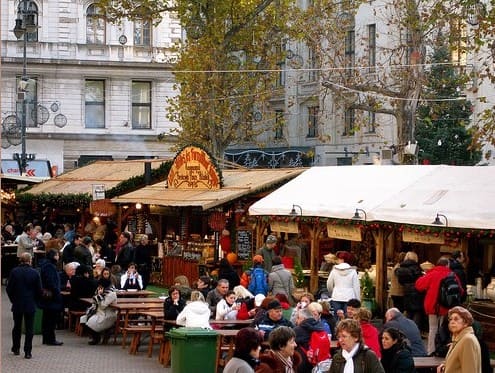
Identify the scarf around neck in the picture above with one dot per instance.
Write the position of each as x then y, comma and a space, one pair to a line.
349, 363
287, 361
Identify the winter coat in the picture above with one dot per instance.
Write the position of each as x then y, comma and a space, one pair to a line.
225, 312
270, 363
398, 359
81, 287
459, 270
238, 365
407, 274
24, 289
267, 325
411, 331
195, 315
125, 256
464, 354
24, 244
280, 281
370, 337
105, 316
267, 255
83, 256
50, 280
430, 283
229, 274
365, 361
343, 283
171, 310
396, 289
303, 335
212, 300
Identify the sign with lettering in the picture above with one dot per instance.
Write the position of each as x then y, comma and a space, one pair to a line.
193, 169
35, 167
344, 232
244, 242
98, 191
418, 237
282, 226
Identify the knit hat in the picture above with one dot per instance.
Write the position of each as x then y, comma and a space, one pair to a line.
274, 304
257, 259
271, 239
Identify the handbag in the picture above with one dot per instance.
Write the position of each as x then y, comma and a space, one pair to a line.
46, 294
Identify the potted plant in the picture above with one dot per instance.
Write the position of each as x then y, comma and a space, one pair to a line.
298, 280
367, 292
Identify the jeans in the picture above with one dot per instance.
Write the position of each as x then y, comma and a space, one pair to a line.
338, 306
17, 331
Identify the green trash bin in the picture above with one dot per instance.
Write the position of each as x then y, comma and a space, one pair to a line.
36, 324
193, 350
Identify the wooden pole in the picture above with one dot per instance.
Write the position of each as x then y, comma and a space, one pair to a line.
381, 269
315, 254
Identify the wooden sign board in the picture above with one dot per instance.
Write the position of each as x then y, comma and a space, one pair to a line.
102, 207
193, 169
347, 232
418, 237
282, 226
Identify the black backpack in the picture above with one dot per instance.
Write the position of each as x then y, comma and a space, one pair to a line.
450, 292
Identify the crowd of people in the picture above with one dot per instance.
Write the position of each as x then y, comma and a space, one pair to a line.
287, 333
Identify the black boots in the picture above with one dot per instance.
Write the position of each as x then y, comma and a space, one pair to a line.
95, 336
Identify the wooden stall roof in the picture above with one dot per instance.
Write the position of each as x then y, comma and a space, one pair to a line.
81, 180
237, 183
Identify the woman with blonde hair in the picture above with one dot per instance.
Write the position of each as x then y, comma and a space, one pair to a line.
196, 313
407, 273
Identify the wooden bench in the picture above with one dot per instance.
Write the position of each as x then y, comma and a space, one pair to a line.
76, 315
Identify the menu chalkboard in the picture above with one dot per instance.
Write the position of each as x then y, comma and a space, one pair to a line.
244, 244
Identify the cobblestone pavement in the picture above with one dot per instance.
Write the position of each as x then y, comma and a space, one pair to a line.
75, 356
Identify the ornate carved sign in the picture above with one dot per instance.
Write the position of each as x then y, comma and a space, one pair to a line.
193, 169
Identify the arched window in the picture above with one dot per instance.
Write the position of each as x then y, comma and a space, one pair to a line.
95, 25
27, 11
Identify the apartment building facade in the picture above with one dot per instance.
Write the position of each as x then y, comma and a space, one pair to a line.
91, 89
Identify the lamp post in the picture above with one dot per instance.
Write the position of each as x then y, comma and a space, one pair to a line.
25, 23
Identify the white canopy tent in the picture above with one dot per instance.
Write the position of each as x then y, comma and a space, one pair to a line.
399, 194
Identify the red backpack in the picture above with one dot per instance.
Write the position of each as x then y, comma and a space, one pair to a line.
318, 348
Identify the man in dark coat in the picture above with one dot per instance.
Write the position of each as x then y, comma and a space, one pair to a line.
456, 264
395, 319
23, 290
125, 254
53, 305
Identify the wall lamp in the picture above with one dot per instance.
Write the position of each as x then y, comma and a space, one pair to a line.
139, 206
357, 215
437, 220
293, 212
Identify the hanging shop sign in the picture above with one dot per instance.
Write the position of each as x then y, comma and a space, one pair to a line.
422, 238
282, 226
347, 232
102, 207
193, 168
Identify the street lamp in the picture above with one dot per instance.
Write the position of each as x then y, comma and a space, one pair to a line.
357, 215
25, 23
293, 212
437, 220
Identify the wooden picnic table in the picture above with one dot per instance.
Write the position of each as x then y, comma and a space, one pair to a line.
130, 300
125, 309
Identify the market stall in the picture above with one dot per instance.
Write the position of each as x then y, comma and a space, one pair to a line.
196, 202
386, 202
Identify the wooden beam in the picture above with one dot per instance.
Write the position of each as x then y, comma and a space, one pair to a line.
381, 269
